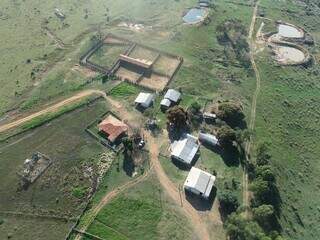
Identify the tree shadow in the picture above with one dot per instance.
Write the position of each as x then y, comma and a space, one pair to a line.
199, 203
128, 164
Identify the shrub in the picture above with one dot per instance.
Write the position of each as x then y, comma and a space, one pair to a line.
228, 202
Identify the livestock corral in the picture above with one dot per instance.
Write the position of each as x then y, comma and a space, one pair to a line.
132, 62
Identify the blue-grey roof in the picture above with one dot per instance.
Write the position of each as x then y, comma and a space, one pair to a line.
208, 138
173, 95
165, 102
185, 149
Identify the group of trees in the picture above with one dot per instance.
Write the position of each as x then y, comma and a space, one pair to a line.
263, 177
241, 228
233, 34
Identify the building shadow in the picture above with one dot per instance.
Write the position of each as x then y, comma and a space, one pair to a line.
180, 165
199, 203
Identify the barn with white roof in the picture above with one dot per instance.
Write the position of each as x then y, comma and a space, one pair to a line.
199, 182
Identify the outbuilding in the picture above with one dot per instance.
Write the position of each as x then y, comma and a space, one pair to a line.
199, 182
144, 100
208, 139
171, 97
185, 149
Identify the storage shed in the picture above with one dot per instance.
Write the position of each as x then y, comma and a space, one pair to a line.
185, 149
144, 100
208, 139
199, 182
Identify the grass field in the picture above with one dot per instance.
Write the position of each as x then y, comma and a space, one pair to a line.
143, 212
35, 70
288, 120
61, 190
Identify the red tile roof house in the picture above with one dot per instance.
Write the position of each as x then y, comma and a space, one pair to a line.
112, 129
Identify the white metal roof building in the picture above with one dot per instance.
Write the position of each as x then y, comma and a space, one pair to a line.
199, 182
173, 95
165, 102
185, 149
208, 139
145, 99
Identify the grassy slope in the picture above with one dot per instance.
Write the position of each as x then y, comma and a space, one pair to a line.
142, 213
288, 119
69, 146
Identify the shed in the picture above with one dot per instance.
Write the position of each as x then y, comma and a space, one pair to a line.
112, 128
199, 182
209, 116
144, 99
165, 103
209, 139
173, 95
185, 149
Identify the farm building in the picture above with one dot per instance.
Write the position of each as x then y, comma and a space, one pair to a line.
184, 150
171, 97
112, 128
208, 139
204, 3
199, 182
209, 116
143, 63
144, 100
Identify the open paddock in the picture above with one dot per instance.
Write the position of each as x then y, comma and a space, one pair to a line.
154, 81
61, 192
166, 65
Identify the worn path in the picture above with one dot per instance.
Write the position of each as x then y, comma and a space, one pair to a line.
246, 195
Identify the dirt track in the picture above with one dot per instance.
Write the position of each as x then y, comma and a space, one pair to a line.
50, 109
108, 197
194, 217
253, 106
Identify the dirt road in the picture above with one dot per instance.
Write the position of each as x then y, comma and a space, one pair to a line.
194, 217
108, 197
51, 109
246, 194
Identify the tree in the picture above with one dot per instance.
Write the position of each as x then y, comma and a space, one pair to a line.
231, 113
228, 202
226, 136
263, 213
265, 192
195, 116
128, 144
195, 107
177, 116
239, 228
266, 173
263, 156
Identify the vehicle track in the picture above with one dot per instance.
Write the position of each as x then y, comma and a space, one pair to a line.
50, 109
246, 196
108, 197
194, 217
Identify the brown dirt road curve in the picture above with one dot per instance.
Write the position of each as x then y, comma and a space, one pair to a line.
50, 109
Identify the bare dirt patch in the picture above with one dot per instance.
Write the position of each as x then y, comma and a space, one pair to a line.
84, 71
155, 81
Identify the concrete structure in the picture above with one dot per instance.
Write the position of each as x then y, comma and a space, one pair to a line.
204, 3
144, 100
208, 139
185, 149
136, 61
112, 128
171, 97
199, 182
209, 116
